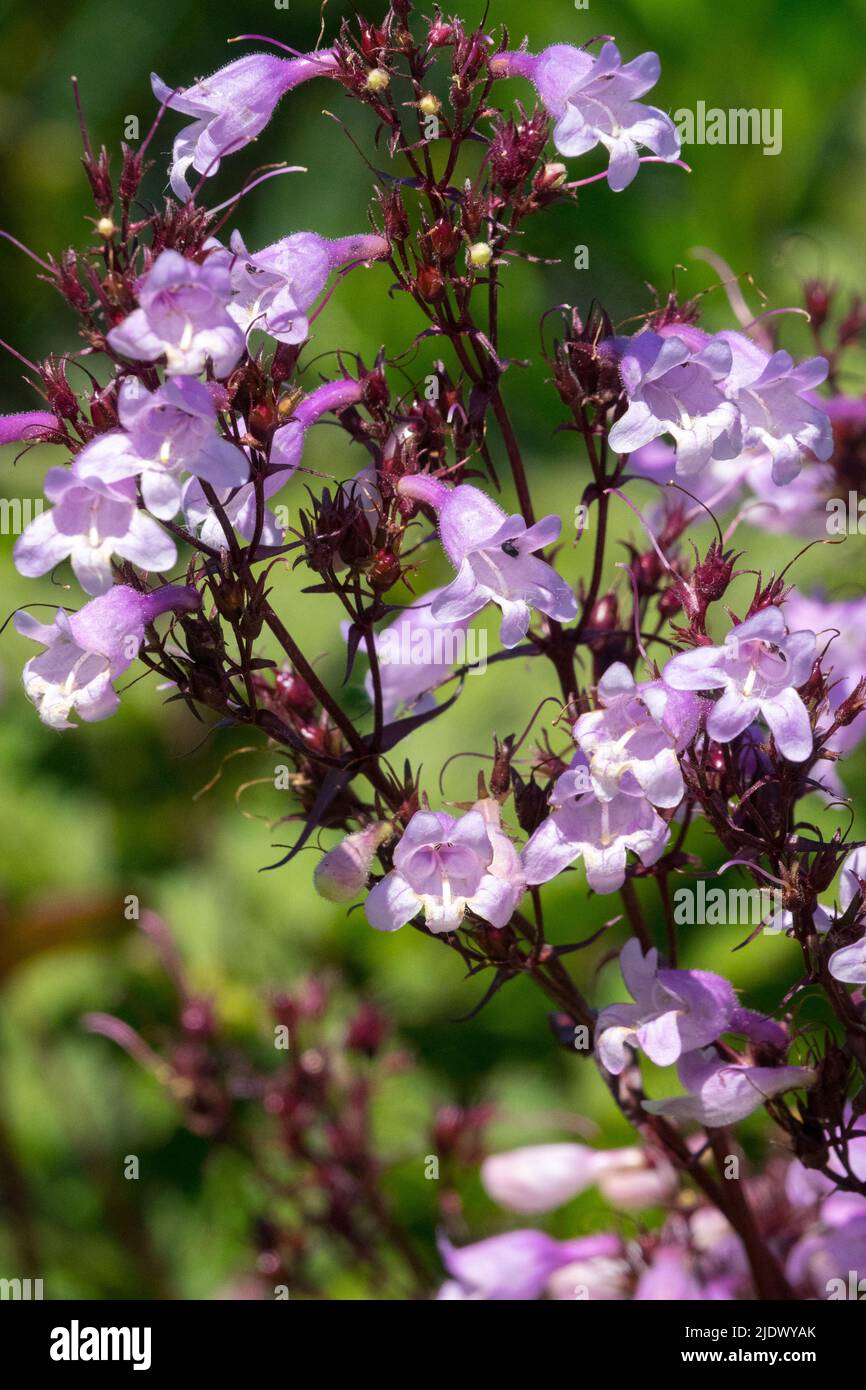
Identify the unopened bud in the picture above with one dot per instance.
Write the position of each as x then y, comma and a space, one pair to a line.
378, 80
342, 873
479, 255
105, 228
430, 105
551, 176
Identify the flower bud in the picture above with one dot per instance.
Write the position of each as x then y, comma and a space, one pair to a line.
429, 283
430, 105
551, 177
342, 873
105, 228
480, 255
378, 80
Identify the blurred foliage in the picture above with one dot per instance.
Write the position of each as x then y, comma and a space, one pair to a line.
90, 817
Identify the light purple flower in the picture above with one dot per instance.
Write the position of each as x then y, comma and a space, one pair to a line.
86, 651
632, 742
601, 832
415, 655
722, 1092
494, 558
182, 316
848, 964
674, 1011
165, 431
287, 447
674, 386
443, 866
90, 521
830, 1261
541, 1177
518, 1264
758, 670
841, 626
342, 873
769, 393
231, 107
274, 288
595, 101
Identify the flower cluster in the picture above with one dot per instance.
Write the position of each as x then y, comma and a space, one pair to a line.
696, 700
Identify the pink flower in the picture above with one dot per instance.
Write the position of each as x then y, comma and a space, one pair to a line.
600, 832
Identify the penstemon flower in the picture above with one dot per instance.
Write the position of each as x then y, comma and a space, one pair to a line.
86, 651
758, 670
495, 559
231, 108
647, 745
595, 102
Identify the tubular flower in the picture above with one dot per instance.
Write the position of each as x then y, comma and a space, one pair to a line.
494, 557
86, 651
758, 670
231, 107
595, 102
443, 867
182, 316
274, 288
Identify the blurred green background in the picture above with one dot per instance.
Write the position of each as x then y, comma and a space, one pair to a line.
91, 816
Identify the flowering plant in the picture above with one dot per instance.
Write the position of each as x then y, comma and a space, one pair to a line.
674, 709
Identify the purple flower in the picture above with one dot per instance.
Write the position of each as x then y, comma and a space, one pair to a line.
90, 521
231, 107
415, 655
674, 387
768, 391
758, 670
86, 651
494, 559
841, 624
287, 447
632, 742
831, 1261
721, 1092
601, 832
166, 430
183, 317
443, 867
848, 964
674, 1011
798, 508
516, 1265
32, 425
594, 102
274, 288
